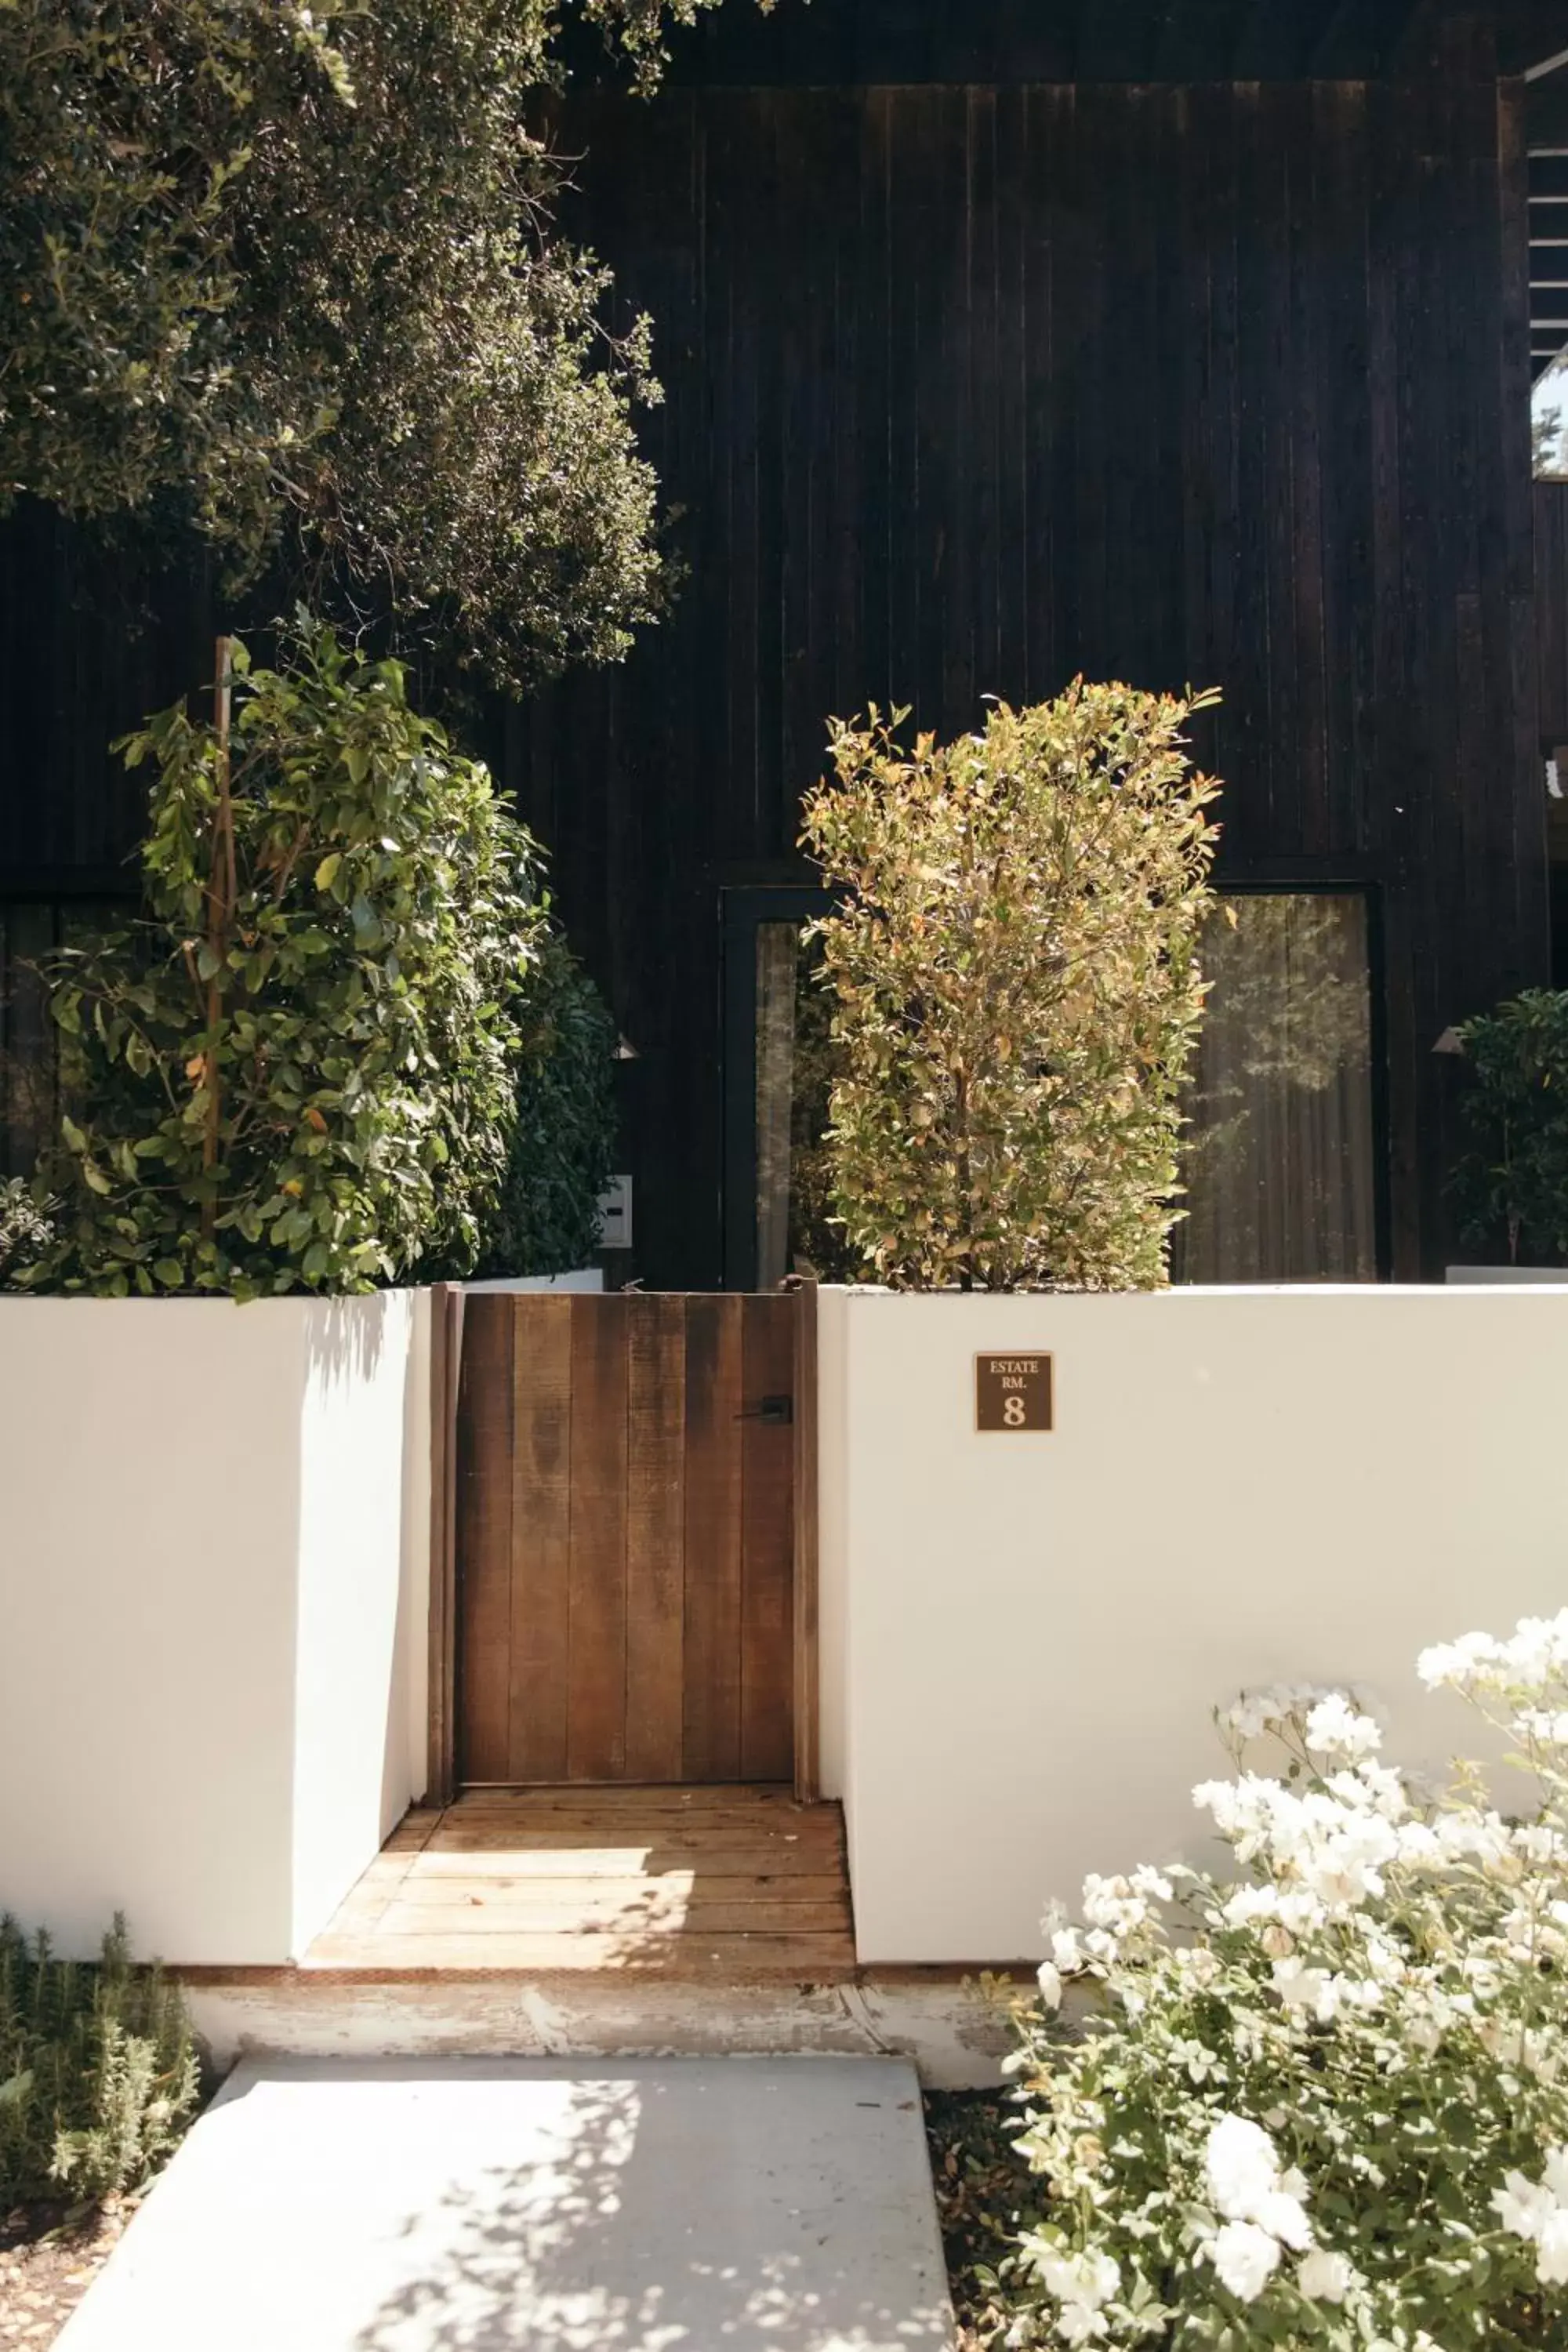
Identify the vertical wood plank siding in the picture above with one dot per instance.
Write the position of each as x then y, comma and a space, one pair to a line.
971, 388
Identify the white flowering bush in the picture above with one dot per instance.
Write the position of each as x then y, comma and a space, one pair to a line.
1321, 2100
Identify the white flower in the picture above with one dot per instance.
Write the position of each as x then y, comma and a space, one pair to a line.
1538, 1652
1335, 1728
1303, 1988
1246, 2258
1076, 2324
1242, 2167
1325, 2277
1050, 1983
1537, 2211
1454, 1662
1255, 1712
1551, 2251
1079, 2282
1522, 2206
1067, 1952
1115, 1908
1540, 1723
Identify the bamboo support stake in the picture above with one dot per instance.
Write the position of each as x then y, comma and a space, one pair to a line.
221, 895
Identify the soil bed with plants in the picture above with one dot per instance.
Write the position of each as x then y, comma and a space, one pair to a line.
49, 2256
99, 2081
983, 2191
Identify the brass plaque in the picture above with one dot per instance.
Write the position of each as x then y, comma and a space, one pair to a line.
1013, 1392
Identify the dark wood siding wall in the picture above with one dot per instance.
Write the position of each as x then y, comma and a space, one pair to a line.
89, 641
970, 389
1552, 608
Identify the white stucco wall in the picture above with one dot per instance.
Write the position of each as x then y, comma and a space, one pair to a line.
360, 1660
213, 1575
1023, 1636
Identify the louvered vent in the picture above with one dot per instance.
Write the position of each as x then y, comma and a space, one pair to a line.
1548, 256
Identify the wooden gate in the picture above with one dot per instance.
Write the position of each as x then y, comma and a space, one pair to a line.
628, 1537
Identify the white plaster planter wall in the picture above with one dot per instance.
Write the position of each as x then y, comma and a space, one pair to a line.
214, 1595
1023, 1635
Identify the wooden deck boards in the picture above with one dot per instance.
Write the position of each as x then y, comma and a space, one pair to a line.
663, 1882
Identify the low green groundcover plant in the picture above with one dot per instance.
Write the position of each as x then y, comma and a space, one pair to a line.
1511, 1182
1013, 965
1321, 2101
97, 2074
296, 1067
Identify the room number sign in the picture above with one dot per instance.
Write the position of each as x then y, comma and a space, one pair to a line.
1013, 1392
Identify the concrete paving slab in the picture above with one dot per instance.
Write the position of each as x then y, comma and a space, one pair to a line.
488, 2205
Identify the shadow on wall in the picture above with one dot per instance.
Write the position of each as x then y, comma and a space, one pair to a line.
345, 1336
646, 2221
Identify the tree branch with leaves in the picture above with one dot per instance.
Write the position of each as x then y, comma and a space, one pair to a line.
289, 276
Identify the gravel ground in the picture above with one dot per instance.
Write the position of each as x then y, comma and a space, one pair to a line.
49, 2256
981, 2187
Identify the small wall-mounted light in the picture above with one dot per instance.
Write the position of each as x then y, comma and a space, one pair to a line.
1553, 780
623, 1050
1450, 1042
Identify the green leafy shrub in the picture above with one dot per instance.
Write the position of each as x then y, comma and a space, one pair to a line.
1511, 1183
97, 2074
1320, 2100
1013, 968
24, 1227
296, 1069
545, 1217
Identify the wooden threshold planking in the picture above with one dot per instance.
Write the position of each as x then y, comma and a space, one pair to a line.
710, 1881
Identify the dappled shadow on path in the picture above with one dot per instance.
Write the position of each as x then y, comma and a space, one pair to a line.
657, 2209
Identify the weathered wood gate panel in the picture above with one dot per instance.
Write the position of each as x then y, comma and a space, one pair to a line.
626, 1538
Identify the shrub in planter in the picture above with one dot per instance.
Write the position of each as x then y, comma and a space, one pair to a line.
98, 2073
1513, 1180
24, 1227
1014, 968
1321, 2101
295, 1069
544, 1219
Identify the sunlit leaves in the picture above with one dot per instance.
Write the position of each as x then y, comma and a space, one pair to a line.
366, 1032
1013, 964
287, 275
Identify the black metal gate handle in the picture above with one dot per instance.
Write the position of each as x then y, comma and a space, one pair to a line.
776, 1411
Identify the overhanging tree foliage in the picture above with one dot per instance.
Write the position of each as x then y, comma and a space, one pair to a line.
286, 274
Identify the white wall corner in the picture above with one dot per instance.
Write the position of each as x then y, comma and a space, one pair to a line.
832, 1535
404, 1787
358, 1556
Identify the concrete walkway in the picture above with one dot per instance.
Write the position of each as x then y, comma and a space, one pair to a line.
695, 2205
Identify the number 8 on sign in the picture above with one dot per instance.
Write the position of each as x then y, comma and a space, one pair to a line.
1012, 1393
